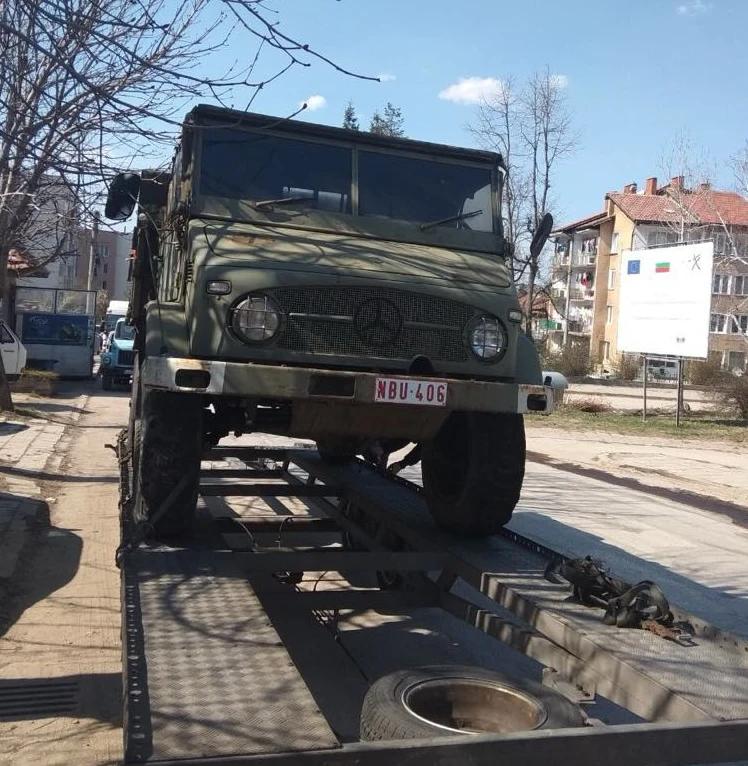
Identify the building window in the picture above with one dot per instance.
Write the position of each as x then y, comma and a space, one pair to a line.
736, 361
657, 238
718, 323
103, 285
739, 324
614, 243
604, 350
721, 284
608, 315
106, 267
612, 279
740, 285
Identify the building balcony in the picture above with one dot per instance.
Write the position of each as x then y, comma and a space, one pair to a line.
580, 327
581, 260
577, 261
582, 294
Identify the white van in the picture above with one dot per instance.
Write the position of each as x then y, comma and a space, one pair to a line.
13, 351
662, 369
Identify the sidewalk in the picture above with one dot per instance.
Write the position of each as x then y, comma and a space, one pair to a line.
689, 469
31, 451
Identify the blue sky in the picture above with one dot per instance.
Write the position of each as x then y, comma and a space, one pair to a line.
637, 73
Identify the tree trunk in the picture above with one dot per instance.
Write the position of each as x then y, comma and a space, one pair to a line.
6, 400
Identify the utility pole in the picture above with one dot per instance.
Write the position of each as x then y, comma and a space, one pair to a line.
92, 252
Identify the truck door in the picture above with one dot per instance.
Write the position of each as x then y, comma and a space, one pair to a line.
13, 351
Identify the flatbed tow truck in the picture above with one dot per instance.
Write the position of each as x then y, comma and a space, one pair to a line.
247, 645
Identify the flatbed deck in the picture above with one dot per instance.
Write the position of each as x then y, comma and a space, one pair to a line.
230, 657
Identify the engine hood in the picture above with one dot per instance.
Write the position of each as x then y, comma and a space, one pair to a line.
287, 249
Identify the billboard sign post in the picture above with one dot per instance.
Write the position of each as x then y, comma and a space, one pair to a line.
665, 300
665, 305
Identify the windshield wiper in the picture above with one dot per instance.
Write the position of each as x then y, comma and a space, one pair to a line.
281, 201
459, 217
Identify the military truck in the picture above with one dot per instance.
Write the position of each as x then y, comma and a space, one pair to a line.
298, 279
117, 361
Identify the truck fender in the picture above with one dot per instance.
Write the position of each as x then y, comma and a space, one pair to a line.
528, 362
166, 330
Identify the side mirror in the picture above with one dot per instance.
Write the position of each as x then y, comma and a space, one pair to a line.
122, 196
541, 235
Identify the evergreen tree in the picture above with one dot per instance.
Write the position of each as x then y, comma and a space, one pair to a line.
390, 123
350, 121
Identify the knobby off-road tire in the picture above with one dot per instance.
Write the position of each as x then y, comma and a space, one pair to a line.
455, 700
170, 435
337, 450
473, 470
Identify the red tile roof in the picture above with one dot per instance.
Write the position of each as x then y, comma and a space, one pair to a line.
590, 220
703, 207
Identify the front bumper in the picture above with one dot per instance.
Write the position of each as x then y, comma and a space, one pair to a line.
116, 371
275, 382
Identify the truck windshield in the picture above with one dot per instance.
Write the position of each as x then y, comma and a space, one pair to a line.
242, 165
267, 170
124, 331
424, 191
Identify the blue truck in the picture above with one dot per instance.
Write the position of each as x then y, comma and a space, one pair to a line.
117, 360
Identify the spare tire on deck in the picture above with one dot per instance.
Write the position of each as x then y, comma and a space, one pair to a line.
454, 700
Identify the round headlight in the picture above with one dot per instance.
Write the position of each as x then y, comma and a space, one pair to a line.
256, 319
486, 337
106, 359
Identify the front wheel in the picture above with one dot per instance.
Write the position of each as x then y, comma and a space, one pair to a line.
337, 450
170, 437
107, 384
473, 471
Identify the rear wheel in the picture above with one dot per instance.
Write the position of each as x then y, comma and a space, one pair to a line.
473, 471
168, 457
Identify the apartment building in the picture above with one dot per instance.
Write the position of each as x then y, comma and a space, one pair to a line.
586, 272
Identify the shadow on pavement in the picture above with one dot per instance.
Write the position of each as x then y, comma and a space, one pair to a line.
49, 562
9, 429
66, 478
87, 695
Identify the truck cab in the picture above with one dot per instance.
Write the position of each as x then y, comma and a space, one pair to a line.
117, 360
323, 283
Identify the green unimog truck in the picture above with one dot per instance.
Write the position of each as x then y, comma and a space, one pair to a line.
317, 282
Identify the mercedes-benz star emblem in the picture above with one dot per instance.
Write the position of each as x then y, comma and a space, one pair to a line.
378, 322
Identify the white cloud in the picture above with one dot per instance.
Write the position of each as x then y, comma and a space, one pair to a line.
314, 102
386, 77
693, 8
559, 80
472, 90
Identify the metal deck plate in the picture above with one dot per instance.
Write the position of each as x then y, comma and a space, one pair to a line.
707, 676
219, 681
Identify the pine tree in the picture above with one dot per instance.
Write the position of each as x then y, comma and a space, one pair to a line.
390, 123
350, 121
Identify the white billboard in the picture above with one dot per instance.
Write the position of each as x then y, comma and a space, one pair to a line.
665, 300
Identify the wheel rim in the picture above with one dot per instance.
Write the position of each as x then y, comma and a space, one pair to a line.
464, 705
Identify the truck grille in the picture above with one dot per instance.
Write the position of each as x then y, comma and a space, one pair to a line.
126, 358
386, 323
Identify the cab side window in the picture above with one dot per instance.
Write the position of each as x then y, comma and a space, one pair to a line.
5, 336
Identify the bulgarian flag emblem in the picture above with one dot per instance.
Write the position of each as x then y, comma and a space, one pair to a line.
662, 267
